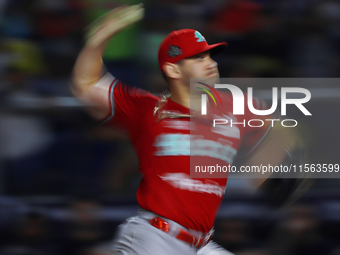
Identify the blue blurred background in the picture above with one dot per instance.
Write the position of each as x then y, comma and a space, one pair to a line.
66, 183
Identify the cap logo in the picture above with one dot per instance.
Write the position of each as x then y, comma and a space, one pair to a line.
174, 51
199, 36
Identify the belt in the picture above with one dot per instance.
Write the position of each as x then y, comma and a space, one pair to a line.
181, 234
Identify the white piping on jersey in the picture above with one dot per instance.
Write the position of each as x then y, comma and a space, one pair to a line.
105, 82
184, 182
111, 100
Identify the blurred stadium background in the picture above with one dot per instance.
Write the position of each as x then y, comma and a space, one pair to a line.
66, 183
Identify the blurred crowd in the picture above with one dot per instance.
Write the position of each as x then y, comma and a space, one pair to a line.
50, 147
82, 226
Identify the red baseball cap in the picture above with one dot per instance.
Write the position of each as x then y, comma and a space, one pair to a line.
185, 43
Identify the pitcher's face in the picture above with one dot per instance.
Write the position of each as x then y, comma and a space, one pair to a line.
199, 66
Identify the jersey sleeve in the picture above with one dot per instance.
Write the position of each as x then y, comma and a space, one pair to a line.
257, 126
127, 104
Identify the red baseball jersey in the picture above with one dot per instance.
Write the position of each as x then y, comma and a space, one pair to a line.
163, 137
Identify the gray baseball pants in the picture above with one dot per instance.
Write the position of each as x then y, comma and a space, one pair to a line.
138, 237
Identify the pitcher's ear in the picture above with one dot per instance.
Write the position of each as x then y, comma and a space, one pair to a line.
172, 70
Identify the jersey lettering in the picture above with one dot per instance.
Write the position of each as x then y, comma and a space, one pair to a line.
180, 144
184, 182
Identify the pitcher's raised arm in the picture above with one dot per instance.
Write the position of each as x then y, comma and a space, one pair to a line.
90, 83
